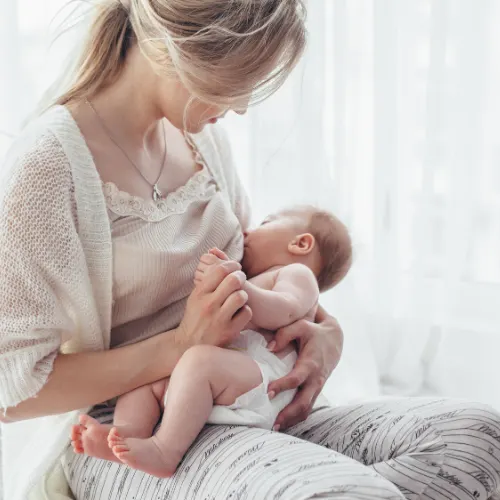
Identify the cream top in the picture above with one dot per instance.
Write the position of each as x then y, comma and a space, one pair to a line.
156, 249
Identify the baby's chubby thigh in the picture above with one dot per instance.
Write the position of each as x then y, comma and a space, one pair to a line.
159, 388
229, 372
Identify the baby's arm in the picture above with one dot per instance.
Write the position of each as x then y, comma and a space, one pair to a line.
293, 295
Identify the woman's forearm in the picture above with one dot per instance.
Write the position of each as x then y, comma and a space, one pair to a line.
85, 379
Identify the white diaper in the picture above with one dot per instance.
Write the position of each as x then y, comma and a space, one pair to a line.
254, 408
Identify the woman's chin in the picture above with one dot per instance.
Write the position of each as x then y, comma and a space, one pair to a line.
192, 128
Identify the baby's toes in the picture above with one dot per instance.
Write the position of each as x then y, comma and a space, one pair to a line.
114, 438
76, 432
76, 439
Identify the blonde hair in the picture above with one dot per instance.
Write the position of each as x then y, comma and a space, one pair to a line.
221, 50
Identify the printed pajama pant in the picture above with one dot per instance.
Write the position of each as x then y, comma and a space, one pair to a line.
425, 449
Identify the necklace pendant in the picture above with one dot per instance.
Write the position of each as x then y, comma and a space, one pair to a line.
157, 194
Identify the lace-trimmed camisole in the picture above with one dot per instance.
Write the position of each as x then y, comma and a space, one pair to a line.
156, 249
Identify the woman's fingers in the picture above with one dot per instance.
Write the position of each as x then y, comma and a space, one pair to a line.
232, 304
292, 380
230, 284
300, 407
287, 334
216, 309
241, 319
215, 277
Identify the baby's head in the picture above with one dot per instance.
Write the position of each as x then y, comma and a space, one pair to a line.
302, 235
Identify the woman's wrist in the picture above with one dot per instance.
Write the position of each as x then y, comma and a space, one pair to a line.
169, 348
332, 327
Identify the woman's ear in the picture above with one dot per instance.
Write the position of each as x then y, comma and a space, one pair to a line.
302, 244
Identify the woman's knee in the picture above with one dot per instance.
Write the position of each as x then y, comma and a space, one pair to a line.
488, 417
471, 434
353, 485
392, 436
466, 422
483, 420
374, 487
477, 435
314, 472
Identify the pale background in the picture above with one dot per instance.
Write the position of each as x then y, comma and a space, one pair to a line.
392, 121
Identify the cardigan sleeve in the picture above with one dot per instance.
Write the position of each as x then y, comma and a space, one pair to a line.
40, 256
239, 198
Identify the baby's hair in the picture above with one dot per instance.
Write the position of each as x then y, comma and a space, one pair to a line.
334, 244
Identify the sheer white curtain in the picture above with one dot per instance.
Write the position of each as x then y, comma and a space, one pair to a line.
391, 121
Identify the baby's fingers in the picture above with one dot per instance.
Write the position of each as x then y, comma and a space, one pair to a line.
209, 259
219, 254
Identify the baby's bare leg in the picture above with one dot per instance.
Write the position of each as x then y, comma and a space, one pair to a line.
137, 412
204, 375
91, 437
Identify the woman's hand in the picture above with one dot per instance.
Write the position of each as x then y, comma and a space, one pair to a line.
216, 310
320, 347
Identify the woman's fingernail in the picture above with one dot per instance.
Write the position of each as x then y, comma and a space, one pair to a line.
241, 276
271, 345
271, 394
276, 428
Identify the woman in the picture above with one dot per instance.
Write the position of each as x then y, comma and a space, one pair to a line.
111, 197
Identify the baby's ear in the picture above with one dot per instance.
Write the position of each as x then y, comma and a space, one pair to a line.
302, 244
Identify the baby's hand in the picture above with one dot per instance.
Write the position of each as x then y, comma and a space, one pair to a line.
218, 253
207, 261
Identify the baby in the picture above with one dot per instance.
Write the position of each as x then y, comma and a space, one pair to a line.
288, 260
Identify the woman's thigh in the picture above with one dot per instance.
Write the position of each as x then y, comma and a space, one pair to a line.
429, 448
235, 463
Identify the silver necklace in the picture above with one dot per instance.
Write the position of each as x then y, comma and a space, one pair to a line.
157, 194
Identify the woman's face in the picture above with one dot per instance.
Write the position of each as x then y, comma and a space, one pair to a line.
184, 112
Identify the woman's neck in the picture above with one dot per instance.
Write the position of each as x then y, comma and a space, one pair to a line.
128, 106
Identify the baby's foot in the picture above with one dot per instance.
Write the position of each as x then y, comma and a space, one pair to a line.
90, 437
142, 454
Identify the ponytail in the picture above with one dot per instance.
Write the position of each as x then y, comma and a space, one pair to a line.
104, 51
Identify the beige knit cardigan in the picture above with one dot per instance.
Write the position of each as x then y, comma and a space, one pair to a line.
56, 281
